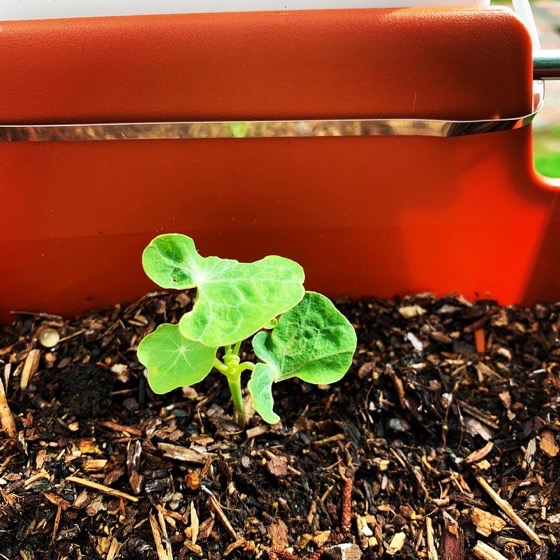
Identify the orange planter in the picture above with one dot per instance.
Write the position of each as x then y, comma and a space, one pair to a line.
364, 215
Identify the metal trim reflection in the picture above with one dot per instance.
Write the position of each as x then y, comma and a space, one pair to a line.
267, 129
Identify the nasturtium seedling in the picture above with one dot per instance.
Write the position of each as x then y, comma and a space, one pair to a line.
295, 333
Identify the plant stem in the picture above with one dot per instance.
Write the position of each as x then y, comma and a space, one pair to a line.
232, 369
234, 382
237, 347
221, 367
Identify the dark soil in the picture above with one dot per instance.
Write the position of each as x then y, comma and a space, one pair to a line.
441, 443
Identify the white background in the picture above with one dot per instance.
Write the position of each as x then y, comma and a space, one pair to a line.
38, 9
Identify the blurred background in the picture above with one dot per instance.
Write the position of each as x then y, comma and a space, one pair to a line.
546, 126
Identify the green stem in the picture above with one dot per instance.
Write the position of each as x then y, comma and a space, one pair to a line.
234, 382
221, 367
232, 369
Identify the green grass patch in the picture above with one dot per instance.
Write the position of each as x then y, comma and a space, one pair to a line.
546, 149
548, 164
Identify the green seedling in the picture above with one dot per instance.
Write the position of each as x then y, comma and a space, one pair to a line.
295, 333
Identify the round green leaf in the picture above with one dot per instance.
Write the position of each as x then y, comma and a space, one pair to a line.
234, 300
172, 261
172, 360
260, 387
312, 341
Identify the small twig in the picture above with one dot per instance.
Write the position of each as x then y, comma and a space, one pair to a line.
6, 419
163, 526
508, 510
115, 427
113, 549
480, 415
479, 454
156, 532
215, 505
330, 439
56, 523
346, 517
7, 374
195, 526
432, 552
30, 367
485, 552
482, 321
71, 336
181, 453
34, 478
6, 350
102, 488
452, 544
38, 315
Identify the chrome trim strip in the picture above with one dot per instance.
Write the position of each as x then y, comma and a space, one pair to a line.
267, 129
546, 64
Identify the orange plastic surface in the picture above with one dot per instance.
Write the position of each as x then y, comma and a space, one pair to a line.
364, 216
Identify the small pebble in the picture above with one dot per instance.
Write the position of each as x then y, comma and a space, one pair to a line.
49, 337
131, 404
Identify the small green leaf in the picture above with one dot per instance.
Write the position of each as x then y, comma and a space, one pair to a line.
312, 341
172, 261
234, 299
172, 360
260, 387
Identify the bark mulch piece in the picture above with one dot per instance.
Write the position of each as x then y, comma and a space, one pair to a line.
441, 443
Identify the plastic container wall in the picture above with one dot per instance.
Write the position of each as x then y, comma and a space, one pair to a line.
363, 215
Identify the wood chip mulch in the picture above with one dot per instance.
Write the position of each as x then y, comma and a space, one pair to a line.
441, 443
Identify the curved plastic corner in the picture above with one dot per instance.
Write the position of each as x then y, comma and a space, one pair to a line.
519, 30
548, 184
